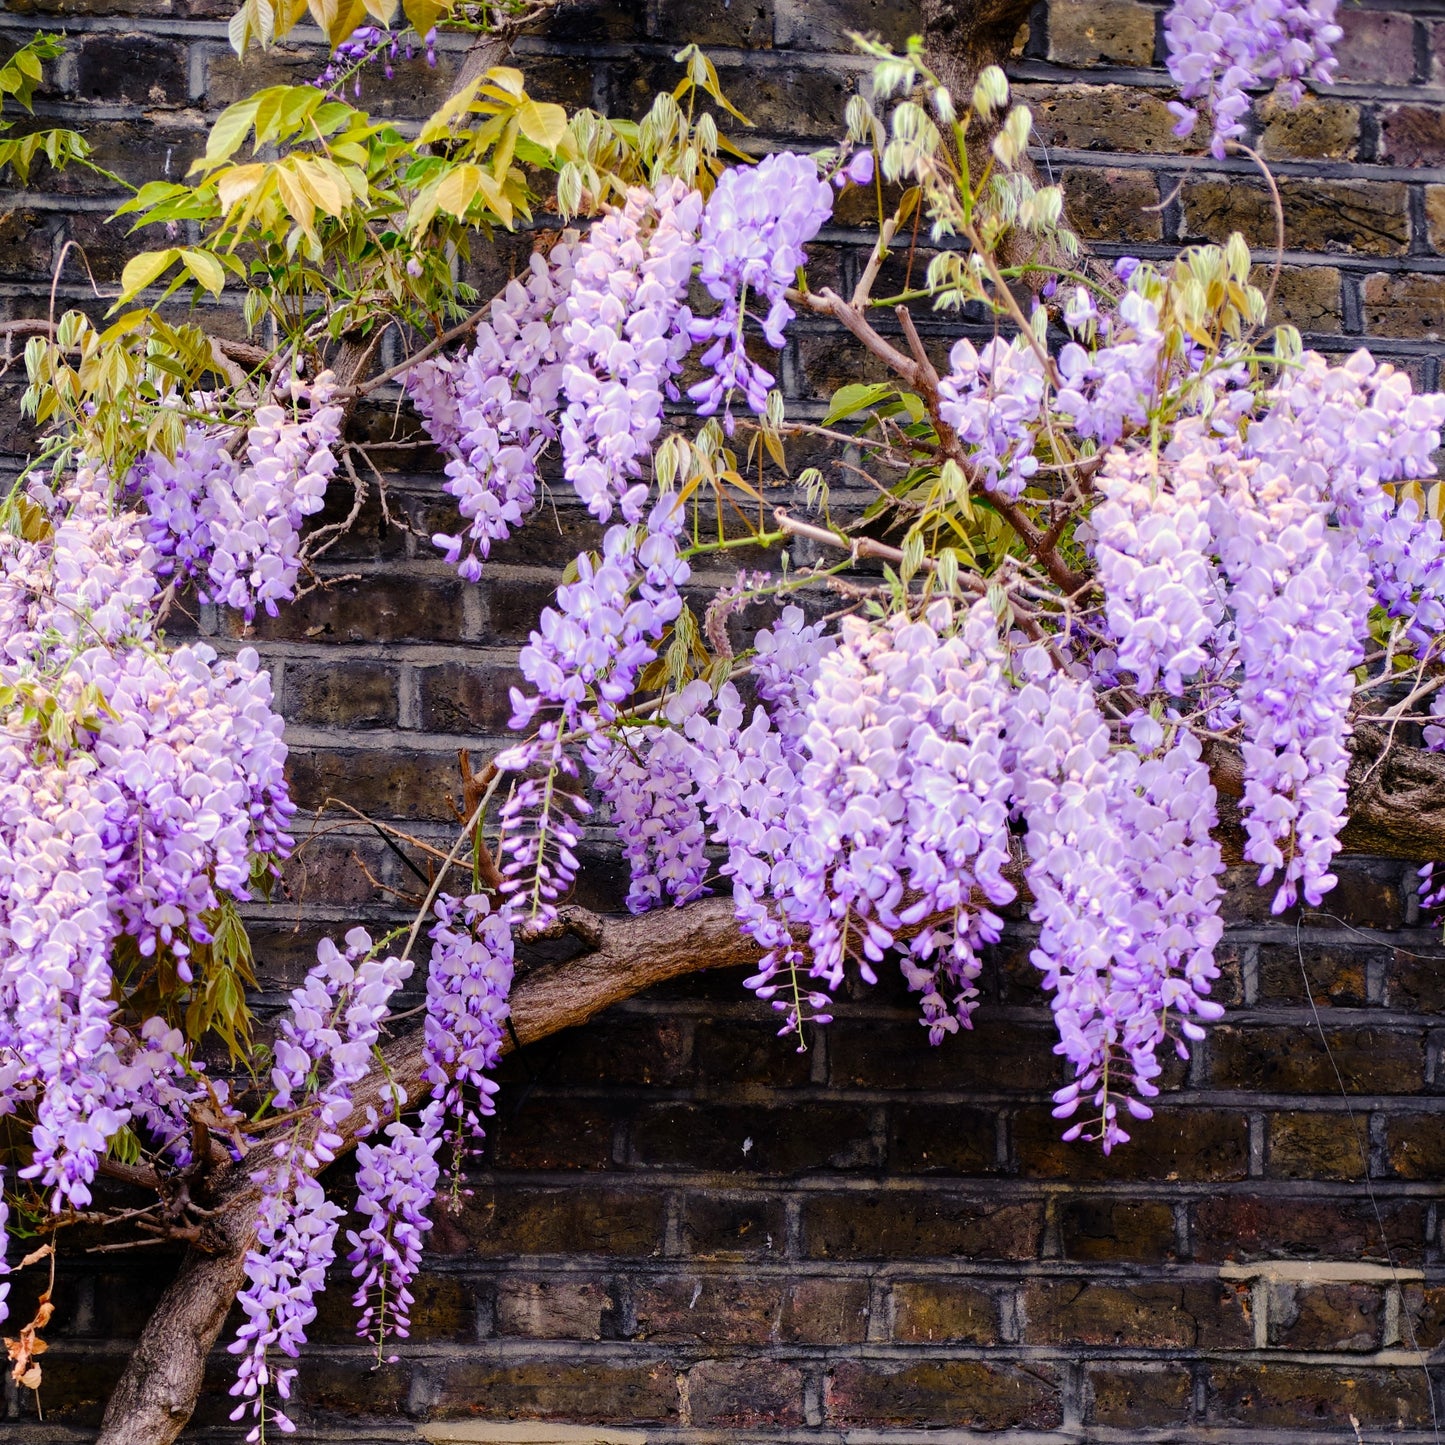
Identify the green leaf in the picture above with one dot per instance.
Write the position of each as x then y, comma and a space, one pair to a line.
855, 397
144, 270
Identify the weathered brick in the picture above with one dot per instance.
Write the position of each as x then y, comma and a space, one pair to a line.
1415, 1145
1314, 1146
615, 1048
1404, 305
909, 1225
1316, 128
743, 1053
1290, 1060
1275, 1226
1131, 1397
1277, 1395
1326, 1317
391, 784
1108, 1228
558, 1390
567, 1308
1377, 46
821, 1311
1174, 1144
769, 1141
1116, 32
462, 697
944, 1312
745, 1394
1102, 118
1412, 135
1367, 218
724, 1226
388, 608
1415, 980
1144, 1315
27, 246
943, 1393
711, 1309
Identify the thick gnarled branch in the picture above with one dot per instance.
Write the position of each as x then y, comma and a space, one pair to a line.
162, 1380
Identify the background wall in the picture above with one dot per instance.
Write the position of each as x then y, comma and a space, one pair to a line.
682, 1224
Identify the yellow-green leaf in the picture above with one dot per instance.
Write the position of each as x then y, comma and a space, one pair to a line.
231, 129
237, 182
542, 122
424, 14
459, 189
143, 270
206, 269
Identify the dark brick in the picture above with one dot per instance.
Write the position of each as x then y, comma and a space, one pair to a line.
1148, 1316
1131, 1397
1302, 1397
1366, 218
909, 1226
1274, 1226
824, 24
745, 1394
27, 246
993, 1055
942, 1139
1336, 973
546, 1132
386, 608
1415, 981
769, 1141
347, 694
616, 1048
1174, 1144
1292, 1060
944, 1312
943, 1393
557, 1390
1113, 205
397, 783
711, 1309
351, 1386
462, 697
731, 23
131, 68
733, 1226
738, 1053
1099, 1229
1326, 1317
1307, 297
499, 1220
1415, 1145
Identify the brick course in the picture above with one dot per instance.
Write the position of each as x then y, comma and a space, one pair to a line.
682, 1224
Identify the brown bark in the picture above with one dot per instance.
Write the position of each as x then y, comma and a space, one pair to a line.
963, 37
162, 1380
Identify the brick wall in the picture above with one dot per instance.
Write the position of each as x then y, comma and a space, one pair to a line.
684, 1227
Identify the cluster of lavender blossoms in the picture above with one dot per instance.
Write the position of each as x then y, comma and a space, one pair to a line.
233, 526
1220, 49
